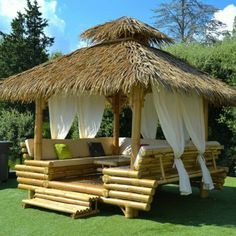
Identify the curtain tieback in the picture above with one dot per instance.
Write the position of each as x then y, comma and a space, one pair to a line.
184, 182
206, 176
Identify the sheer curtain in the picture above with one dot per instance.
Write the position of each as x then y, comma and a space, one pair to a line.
193, 116
62, 111
167, 108
149, 119
90, 112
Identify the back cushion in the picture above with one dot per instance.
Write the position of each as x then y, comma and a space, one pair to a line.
125, 144
77, 147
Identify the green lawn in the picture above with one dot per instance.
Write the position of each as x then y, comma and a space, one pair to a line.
171, 214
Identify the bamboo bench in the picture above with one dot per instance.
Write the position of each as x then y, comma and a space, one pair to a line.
156, 164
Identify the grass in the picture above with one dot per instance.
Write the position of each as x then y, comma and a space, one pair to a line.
171, 214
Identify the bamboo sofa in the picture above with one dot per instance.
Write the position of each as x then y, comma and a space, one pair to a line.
75, 186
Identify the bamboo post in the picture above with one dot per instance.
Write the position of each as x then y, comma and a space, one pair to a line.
116, 124
205, 105
30, 194
137, 102
38, 129
203, 192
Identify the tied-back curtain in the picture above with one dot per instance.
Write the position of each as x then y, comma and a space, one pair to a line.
193, 116
167, 108
90, 112
62, 111
149, 119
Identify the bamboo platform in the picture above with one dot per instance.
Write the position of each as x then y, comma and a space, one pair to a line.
52, 184
76, 204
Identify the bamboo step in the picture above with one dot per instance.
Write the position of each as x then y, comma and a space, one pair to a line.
76, 211
76, 204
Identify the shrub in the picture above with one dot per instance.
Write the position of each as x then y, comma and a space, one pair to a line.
15, 127
219, 61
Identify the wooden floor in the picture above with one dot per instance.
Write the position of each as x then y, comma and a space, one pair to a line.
91, 184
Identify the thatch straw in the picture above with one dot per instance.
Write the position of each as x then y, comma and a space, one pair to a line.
125, 27
110, 67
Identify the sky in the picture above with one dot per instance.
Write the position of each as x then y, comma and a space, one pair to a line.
69, 18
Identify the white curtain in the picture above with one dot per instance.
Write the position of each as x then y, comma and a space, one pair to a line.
90, 112
167, 108
149, 119
193, 116
62, 111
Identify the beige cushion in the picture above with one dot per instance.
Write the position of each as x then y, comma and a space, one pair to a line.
125, 144
78, 147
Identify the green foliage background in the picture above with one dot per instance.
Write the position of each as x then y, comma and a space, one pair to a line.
15, 127
218, 60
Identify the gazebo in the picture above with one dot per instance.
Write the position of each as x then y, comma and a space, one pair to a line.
124, 66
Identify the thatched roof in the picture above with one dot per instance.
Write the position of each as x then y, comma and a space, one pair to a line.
110, 67
125, 27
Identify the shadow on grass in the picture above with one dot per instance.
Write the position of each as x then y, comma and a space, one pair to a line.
10, 183
171, 208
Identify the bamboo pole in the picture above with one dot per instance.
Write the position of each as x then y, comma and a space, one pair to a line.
83, 188
42, 170
130, 188
30, 194
130, 181
203, 192
26, 187
116, 123
37, 163
38, 129
121, 172
130, 196
65, 194
62, 199
57, 206
31, 175
126, 203
33, 182
137, 102
130, 212
205, 105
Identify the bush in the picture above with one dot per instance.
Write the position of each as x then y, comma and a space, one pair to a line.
15, 127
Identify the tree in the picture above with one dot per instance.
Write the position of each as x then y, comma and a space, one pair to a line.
12, 56
36, 38
234, 28
187, 20
26, 45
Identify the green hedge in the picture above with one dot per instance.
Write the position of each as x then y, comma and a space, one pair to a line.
218, 60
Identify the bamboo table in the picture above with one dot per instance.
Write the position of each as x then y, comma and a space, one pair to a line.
112, 161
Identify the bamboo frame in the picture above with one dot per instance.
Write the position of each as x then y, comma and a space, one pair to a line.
62, 199
129, 188
137, 102
42, 170
130, 181
71, 195
127, 203
121, 172
130, 196
206, 110
116, 124
38, 129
